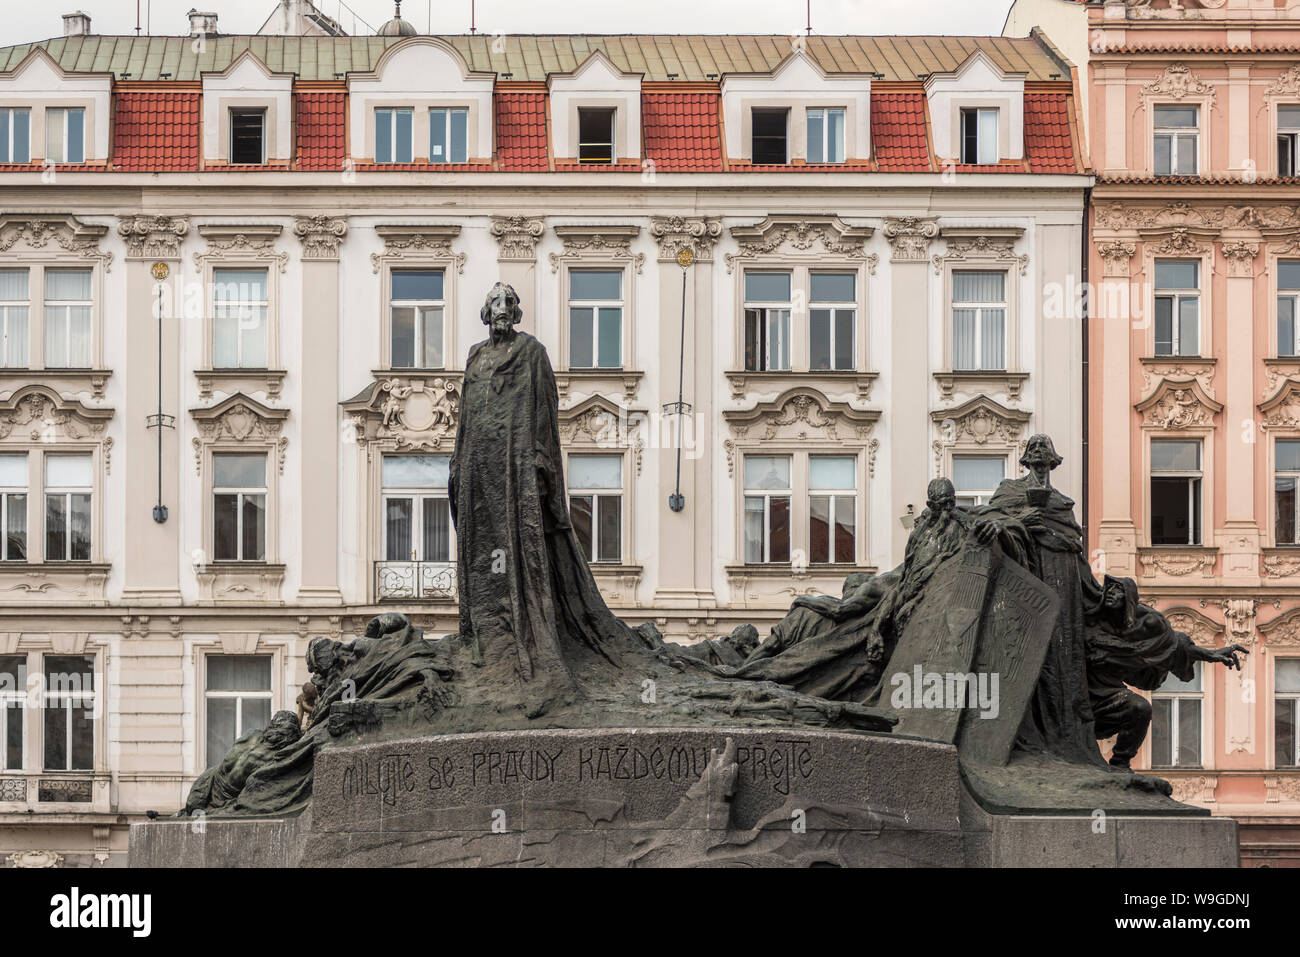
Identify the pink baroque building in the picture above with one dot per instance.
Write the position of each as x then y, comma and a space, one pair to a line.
1193, 370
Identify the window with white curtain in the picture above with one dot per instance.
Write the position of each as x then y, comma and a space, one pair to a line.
979, 320
1176, 722
393, 135
13, 507
239, 506
1178, 307
15, 313
68, 488
832, 508
68, 304
596, 505
979, 136
237, 700
826, 136
239, 319
1286, 713
976, 477
69, 712
1177, 133
1286, 481
15, 135
767, 508
595, 318
13, 707
65, 135
1288, 140
1288, 307
417, 510
767, 321
417, 304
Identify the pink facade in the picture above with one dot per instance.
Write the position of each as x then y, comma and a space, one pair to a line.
1194, 378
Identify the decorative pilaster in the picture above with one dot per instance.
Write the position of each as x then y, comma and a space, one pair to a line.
910, 237
321, 235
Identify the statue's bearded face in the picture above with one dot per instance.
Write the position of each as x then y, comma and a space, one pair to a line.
502, 308
941, 496
283, 729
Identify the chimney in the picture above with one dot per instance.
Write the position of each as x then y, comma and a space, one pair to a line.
202, 24
76, 24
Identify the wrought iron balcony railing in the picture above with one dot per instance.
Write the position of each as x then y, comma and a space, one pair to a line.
434, 581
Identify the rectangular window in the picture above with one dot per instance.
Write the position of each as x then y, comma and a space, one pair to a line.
596, 319
1286, 473
417, 307
1178, 307
239, 507
248, 137
68, 304
768, 142
767, 508
1288, 307
13, 507
448, 135
13, 708
979, 136
596, 505
1176, 723
976, 477
393, 135
240, 332
417, 511
15, 311
1176, 132
1175, 492
767, 321
832, 508
595, 136
237, 700
15, 136
65, 135
68, 486
1288, 140
826, 136
979, 320
69, 713
1286, 713
832, 317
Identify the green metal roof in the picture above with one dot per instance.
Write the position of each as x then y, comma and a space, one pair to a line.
531, 58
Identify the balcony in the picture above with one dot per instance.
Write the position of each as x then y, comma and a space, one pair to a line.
421, 581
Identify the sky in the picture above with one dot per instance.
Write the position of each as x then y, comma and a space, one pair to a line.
22, 21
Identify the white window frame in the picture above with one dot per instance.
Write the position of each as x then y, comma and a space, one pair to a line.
973, 497
447, 112
1291, 134
1293, 696
766, 309
1294, 475
417, 496
986, 145
1177, 297
1177, 698
835, 308
835, 496
6, 494
261, 112
1195, 521
1294, 296
1175, 135
394, 158
595, 305
11, 116
596, 494
979, 309
6, 307
613, 135
419, 305
767, 494
238, 696
263, 304
68, 699
8, 698
67, 491
56, 116
240, 492
66, 306
826, 144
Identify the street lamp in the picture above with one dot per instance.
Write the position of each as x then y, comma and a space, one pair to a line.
677, 501
158, 420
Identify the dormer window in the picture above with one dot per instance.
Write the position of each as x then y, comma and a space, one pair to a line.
1288, 140
393, 135
248, 137
65, 135
15, 136
979, 136
769, 137
826, 136
448, 135
595, 136
1176, 136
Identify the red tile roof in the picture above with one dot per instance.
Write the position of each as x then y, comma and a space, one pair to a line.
322, 120
521, 131
1049, 147
158, 132
681, 131
898, 138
